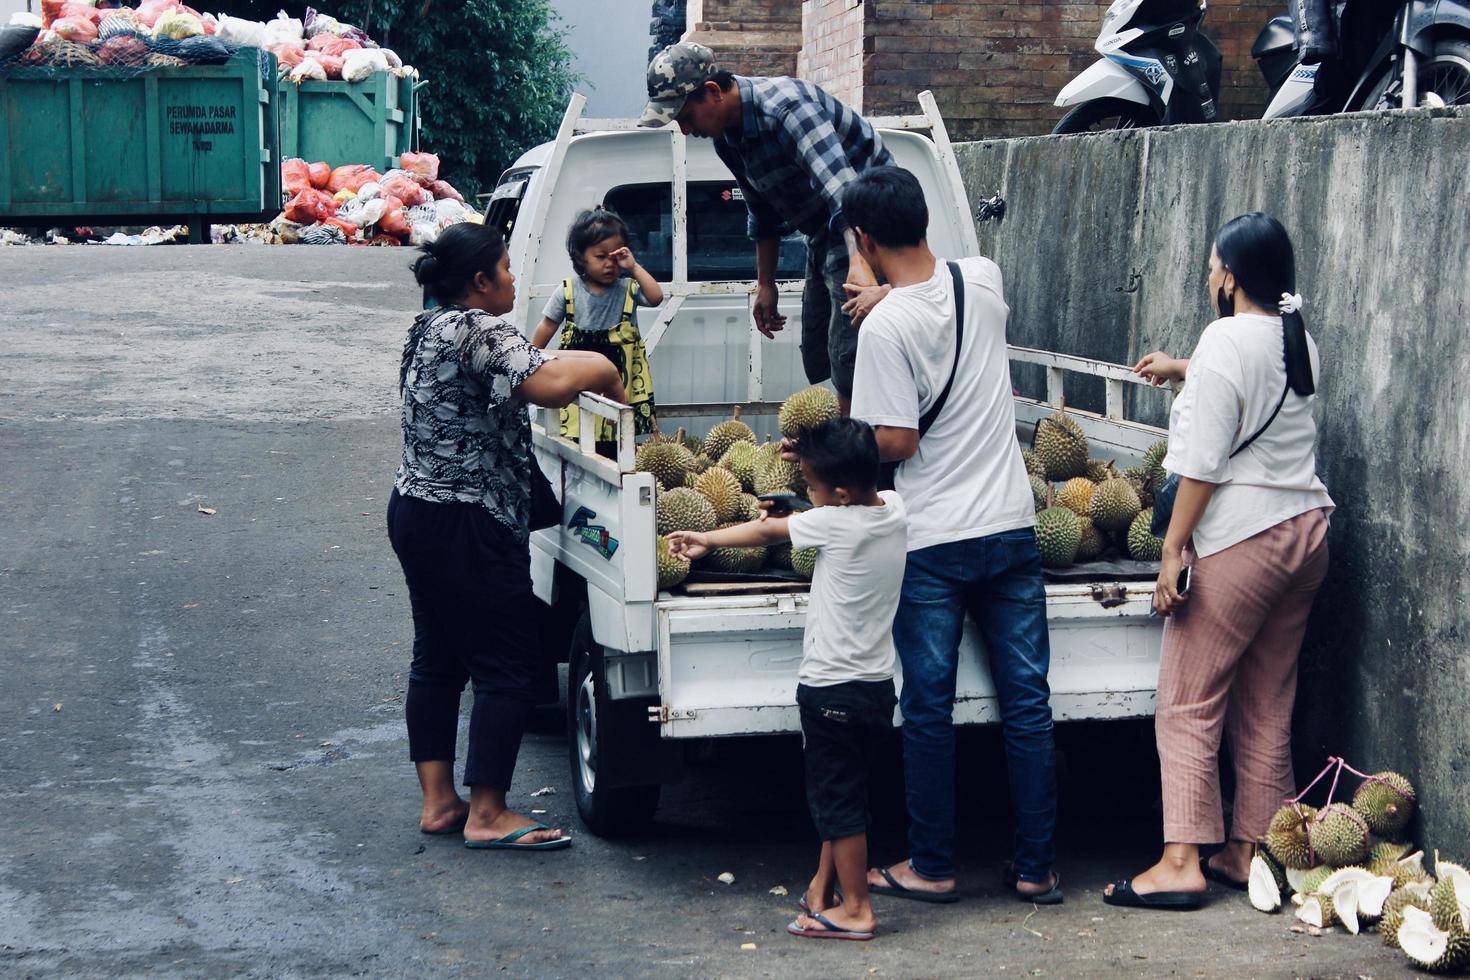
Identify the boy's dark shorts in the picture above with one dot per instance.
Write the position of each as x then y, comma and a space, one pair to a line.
843, 727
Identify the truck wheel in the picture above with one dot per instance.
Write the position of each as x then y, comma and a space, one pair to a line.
607, 811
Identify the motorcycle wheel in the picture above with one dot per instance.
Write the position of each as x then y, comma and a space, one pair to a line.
1445, 74
1101, 115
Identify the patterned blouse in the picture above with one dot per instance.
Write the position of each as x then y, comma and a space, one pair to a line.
466, 438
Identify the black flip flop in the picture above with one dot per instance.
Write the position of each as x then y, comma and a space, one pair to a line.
806, 909
897, 890
1052, 896
1124, 895
1220, 877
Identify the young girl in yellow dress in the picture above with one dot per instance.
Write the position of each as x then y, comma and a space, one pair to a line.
596, 311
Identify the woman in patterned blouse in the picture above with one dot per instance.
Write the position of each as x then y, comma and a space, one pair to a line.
458, 520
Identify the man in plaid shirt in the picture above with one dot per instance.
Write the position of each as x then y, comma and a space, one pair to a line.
792, 148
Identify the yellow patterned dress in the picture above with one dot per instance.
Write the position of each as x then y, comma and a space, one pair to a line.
623, 345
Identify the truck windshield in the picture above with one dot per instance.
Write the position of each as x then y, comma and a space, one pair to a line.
719, 249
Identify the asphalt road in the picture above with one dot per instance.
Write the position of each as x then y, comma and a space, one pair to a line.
203, 769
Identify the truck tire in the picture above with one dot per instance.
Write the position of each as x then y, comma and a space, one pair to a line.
606, 810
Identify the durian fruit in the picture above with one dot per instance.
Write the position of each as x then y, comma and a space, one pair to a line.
779, 475
1312, 881
1061, 446
1142, 545
695, 445
1386, 801
1356, 895
779, 555
1099, 470
1034, 465
804, 562
701, 463
1113, 505
720, 438
1339, 835
1058, 534
1039, 490
1286, 837
1430, 947
683, 509
1317, 910
806, 409
750, 508
1385, 855
1092, 543
720, 487
736, 560
1263, 886
1393, 913
1076, 495
669, 462
766, 452
671, 570
1409, 871
1153, 463
1451, 910
740, 460
1141, 484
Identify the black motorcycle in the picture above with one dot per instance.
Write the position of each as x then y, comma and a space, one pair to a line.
1415, 55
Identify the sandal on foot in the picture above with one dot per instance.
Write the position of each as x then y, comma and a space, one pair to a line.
1124, 895
1052, 896
807, 909
509, 841
828, 930
897, 890
1219, 877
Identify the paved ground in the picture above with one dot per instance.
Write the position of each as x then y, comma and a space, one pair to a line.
202, 764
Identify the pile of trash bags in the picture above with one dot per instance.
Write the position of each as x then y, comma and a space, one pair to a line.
356, 205
71, 34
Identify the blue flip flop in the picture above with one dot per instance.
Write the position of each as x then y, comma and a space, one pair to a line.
508, 842
829, 930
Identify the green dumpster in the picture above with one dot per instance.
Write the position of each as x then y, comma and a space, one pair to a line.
195, 144
372, 121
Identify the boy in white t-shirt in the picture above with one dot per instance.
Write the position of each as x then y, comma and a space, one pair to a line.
845, 681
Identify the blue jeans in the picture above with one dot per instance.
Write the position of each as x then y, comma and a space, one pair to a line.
997, 580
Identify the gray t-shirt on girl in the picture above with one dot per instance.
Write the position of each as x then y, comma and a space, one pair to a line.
595, 313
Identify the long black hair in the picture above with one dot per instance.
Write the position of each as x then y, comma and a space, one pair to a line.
1257, 250
589, 228
448, 266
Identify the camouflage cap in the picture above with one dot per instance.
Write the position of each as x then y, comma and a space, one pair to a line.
673, 73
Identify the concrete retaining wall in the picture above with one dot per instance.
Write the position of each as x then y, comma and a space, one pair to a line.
1104, 250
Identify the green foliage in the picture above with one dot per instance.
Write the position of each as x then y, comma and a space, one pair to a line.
498, 72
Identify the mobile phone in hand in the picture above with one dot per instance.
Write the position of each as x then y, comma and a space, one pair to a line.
1182, 584
785, 502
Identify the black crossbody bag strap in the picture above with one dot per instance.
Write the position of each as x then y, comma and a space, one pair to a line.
927, 420
1262, 430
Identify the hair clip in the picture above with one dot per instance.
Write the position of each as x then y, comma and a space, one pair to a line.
1291, 302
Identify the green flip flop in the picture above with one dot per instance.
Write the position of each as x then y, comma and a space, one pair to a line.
508, 842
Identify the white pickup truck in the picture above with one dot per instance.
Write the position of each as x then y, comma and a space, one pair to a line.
649, 670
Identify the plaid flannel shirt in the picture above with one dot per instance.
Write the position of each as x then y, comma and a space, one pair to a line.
796, 149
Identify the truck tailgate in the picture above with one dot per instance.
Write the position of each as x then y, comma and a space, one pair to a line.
728, 666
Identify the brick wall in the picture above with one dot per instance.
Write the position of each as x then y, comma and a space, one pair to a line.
748, 37
832, 37
995, 67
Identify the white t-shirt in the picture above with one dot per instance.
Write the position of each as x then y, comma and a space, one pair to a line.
1236, 376
860, 562
967, 480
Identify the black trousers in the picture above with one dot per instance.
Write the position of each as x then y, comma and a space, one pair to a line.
843, 728
469, 583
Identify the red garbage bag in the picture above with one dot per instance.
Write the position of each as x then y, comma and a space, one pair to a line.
311, 206
150, 10
442, 189
348, 228
333, 66
123, 49
54, 10
295, 176
395, 220
406, 190
426, 164
81, 30
331, 44
287, 55
352, 177
321, 175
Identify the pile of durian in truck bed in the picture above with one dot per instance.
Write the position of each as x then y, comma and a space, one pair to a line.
1088, 510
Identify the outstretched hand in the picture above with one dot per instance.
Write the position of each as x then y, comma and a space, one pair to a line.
1159, 368
690, 545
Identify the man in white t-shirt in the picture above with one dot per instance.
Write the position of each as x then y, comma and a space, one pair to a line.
972, 549
845, 682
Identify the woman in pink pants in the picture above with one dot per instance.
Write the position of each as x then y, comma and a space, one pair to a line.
1250, 525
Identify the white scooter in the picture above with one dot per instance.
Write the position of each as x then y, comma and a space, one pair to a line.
1156, 68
